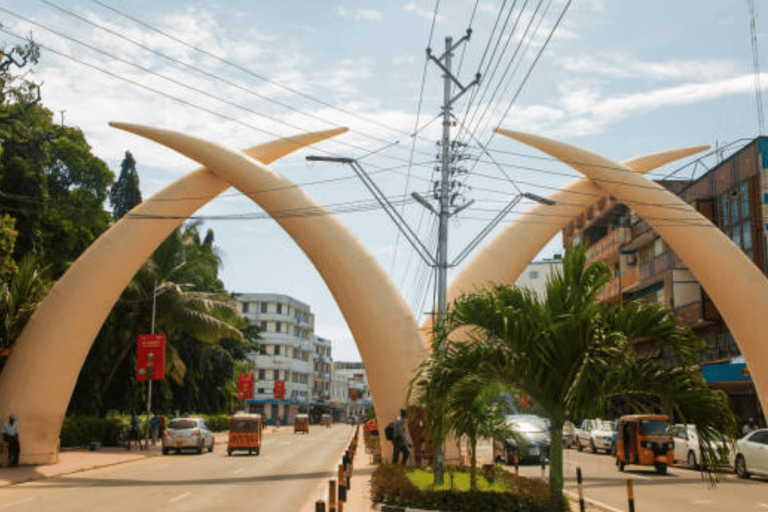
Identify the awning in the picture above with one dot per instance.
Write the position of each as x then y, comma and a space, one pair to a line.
732, 372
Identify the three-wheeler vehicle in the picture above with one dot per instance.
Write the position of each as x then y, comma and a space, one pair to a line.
301, 423
245, 433
645, 439
325, 420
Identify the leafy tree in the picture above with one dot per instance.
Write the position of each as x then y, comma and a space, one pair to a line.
7, 242
125, 193
572, 354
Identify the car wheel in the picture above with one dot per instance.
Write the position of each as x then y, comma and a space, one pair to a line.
229, 451
258, 451
578, 445
178, 451
621, 465
612, 449
200, 449
165, 451
210, 449
592, 446
741, 466
661, 468
692, 460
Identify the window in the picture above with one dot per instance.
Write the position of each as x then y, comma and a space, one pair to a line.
245, 307
744, 196
262, 374
533, 274
279, 309
277, 353
263, 307
260, 391
734, 202
736, 235
746, 237
724, 212
263, 325
278, 327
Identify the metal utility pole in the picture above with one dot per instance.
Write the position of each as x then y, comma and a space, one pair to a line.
756, 64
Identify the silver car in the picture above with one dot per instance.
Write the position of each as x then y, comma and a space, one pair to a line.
529, 439
752, 454
187, 433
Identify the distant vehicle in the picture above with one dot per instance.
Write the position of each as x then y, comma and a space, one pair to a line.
570, 437
597, 434
529, 439
187, 434
301, 423
645, 439
752, 454
245, 433
325, 419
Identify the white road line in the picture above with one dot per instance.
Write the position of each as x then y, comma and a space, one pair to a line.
179, 497
240, 470
16, 503
762, 505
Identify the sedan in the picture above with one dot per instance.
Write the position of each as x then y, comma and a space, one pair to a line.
529, 439
187, 433
752, 454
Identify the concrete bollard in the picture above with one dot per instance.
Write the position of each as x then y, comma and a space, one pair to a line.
331, 495
582, 506
630, 495
342, 489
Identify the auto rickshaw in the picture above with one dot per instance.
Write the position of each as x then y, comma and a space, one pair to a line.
245, 433
645, 439
301, 423
325, 419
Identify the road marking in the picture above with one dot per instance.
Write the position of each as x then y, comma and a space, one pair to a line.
180, 496
16, 503
240, 470
762, 505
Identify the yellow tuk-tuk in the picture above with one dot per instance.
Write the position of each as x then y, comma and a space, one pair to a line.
645, 439
325, 419
301, 423
245, 433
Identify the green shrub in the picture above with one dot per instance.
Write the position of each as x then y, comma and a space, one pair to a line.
390, 485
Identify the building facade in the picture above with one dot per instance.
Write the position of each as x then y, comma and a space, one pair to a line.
733, 195
535, 275
351, 375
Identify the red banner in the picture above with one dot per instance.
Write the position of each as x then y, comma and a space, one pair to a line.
354, 394
151, 356
245, 386
280, 389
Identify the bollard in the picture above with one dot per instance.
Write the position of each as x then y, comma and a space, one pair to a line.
542, 460
581, 490
342, 489
517, 463
319, 506
332, 496
630, 495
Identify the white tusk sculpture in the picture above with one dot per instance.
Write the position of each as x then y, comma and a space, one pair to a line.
736, 285
383, 326
41, 372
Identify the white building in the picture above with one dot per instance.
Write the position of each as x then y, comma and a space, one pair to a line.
535, 275
288, 334
358, 397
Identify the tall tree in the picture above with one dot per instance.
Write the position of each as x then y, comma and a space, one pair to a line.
573, 354
125, 193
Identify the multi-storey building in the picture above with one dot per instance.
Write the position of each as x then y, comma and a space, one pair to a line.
535, 275
358, 392
288, 336
733, 194
321, 376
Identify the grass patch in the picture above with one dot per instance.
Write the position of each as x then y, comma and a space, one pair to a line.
458, 480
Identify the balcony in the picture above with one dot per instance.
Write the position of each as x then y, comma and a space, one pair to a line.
607, 248
656, 266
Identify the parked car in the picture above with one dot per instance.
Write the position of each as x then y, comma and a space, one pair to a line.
597, 434
570, 438
752, 454
529, 439
688, 449
187, 434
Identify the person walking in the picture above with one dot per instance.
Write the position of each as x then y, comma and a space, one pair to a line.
154, 425
11, 437
399, 441
133, 434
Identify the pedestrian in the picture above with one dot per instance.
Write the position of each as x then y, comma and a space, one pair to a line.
11, 437
749, 427
133, 433
154, 425
399, 441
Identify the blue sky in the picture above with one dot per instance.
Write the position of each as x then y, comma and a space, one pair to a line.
618, 78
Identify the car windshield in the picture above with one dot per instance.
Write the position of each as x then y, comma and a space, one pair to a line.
527, 426
654, 427
244, 425
182, 424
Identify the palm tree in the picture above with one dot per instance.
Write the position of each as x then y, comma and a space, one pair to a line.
572, 354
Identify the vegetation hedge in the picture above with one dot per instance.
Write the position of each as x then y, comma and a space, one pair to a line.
390, 485
112, 430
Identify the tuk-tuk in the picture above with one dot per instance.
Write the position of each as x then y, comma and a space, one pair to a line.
245, 433
301, 423
325, 419
645, 439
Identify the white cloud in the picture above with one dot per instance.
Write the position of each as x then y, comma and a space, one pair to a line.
422, 13
359, 14
621, 66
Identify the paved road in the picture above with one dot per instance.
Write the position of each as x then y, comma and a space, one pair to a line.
283, 478
682, 489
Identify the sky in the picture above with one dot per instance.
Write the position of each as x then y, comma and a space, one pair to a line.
621, 79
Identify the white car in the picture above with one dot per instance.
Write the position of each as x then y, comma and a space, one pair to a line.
752, 454
597, 435
187, 434
688, 449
